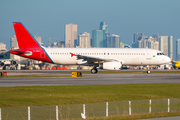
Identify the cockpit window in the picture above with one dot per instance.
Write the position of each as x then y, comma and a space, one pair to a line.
160, 53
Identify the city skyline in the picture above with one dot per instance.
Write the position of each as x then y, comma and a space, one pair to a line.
48, 19
112, 41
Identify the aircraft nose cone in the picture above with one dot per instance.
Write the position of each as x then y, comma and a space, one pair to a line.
168, 60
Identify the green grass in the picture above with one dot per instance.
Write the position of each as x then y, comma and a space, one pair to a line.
64, 95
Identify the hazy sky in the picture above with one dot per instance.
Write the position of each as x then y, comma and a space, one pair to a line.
47, 18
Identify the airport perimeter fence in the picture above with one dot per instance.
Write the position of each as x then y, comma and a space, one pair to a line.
105, 109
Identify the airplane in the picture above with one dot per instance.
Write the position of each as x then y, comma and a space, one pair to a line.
4, 62
104, 58
176, 64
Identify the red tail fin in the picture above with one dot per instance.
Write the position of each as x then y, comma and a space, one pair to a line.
24, 38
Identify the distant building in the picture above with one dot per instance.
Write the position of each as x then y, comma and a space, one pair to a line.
148, 43
166, 45
103, 26
59, 44
2, 46
38, 38
113, 41
127, 46
122, 45
84, 40
141, 41
136, 38
99, 38
178, 49
156, 36
4, 54
14, 44
70, 35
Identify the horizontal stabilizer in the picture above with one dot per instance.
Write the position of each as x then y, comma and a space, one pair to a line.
22, 52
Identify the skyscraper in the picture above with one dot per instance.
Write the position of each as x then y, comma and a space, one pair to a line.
84, 40
99, 38
156, 36
166, 45
38, 38
2, 46
14, 44
113, 41
70, 35
178, 49
137, 37
170, 47
103, 26
148, 42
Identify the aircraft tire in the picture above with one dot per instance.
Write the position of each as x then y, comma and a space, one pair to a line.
94, 71
148, 72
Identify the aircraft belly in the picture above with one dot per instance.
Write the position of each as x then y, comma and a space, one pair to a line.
135, 61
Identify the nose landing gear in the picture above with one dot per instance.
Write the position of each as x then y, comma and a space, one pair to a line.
94, 70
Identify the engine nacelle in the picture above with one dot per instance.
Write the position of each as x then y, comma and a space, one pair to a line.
13, 62
112, 65
1, 64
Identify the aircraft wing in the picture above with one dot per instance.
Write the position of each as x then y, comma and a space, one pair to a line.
90, 59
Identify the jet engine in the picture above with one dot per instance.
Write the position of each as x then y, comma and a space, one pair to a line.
114, 65
1, 64
14, 62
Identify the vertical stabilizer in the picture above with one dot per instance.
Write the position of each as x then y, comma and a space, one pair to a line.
24, 38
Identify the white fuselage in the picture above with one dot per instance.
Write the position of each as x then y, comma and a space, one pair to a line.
128, 56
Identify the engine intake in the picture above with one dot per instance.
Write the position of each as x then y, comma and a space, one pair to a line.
13, 62
1, 64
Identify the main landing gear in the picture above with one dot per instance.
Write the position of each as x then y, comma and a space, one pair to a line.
94, 70
148, 70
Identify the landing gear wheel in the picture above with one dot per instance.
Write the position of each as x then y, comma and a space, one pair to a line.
148, 72
93, 71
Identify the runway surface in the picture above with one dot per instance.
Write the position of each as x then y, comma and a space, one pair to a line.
165, 118
91, 79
